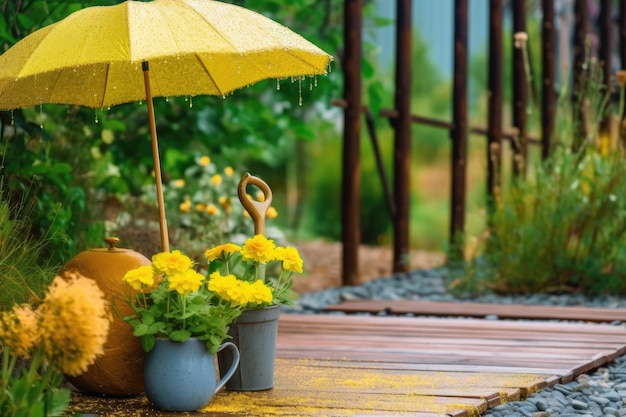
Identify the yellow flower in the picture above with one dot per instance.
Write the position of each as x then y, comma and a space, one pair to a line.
211, 209
140, 277
180, 183
246, 214
259, 293
225, 203
18, 330
74, 323
216, 179
185, 282
214, 253
259, 248
204, 161
228, 287
200, 206
260, 196
291, 259
272, 213
171, 263
229, 171
185, 206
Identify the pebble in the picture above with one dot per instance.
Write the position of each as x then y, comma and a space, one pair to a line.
601, 393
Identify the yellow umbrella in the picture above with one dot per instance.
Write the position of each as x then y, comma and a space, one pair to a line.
95, 57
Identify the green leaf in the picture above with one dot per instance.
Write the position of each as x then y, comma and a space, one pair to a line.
147, 343
180, 335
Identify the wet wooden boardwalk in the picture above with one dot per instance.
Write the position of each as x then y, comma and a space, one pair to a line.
351, 365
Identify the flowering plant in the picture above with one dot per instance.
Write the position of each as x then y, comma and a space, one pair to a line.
63, 335
170, 299
253, 264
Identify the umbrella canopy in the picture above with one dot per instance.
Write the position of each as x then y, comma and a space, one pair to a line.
94, 56
107, 55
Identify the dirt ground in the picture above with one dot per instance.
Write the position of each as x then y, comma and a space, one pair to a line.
322, 264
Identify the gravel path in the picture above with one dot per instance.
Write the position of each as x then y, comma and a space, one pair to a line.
598, 394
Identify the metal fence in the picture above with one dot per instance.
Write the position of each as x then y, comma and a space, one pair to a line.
608, 28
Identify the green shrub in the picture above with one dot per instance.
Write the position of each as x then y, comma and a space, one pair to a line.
563, 228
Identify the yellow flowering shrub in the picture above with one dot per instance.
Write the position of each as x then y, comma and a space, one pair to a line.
170, 299
240, 271
203, 208
65, 334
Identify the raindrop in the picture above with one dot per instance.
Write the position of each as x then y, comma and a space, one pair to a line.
330, 69
190, 102
141, 102
108, 107
277, 84
75, 69
300, 91
167, 99
12, 119
223, 97
96, 117
315, 80
17, 78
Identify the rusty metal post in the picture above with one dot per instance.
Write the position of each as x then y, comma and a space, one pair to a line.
459, 131
581, 48
520, 91
605, 25
402, 145
351, 181
494, 121
548, 93
622, 33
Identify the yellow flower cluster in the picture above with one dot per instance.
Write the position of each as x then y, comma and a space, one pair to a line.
291, 259
259, 248
175, 265
140, 278
240, 292
74, 323
18, 330
171, 263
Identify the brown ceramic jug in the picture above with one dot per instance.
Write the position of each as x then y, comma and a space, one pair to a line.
119, 372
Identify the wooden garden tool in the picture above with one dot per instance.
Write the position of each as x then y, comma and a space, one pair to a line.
256, 209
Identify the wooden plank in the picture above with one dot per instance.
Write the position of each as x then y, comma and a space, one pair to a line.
398, 366
470, 309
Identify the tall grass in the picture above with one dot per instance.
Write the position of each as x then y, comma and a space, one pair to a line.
562, 228
24, 274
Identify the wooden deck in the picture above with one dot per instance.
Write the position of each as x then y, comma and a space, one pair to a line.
348, 365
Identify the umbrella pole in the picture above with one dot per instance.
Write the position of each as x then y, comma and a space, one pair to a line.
165, 245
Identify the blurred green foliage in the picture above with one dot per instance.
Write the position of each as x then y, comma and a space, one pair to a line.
69, 159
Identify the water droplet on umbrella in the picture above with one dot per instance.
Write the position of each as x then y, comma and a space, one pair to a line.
167, 99
17, 78
96, 118
277, 84
300, 91
75, 69
190, 102
108, 107
12, 119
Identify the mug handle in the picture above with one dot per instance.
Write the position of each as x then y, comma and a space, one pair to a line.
233, 365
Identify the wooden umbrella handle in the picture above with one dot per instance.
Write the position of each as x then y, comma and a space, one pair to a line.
256, 209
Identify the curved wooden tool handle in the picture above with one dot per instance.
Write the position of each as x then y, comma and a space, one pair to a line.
256, 209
